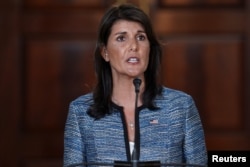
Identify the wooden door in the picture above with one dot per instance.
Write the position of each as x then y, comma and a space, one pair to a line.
46, 60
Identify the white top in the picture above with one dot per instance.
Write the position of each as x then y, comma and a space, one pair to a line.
131, 146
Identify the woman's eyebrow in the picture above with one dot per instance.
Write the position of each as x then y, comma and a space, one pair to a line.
124, 32
141, 31
120, 33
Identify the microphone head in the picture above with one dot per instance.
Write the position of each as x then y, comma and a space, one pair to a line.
137, 84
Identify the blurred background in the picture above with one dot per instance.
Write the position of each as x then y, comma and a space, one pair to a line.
46, 61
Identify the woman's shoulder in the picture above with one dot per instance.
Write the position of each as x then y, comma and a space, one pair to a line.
83, 101
170, 92
173, 96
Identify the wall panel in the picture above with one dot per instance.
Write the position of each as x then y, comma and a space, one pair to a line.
205, 3
66, 3
61, 23
56, 70
210, 69
199, 21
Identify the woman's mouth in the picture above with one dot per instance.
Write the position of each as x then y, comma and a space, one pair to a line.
133, 60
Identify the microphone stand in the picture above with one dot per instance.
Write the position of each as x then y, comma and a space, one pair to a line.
135, 158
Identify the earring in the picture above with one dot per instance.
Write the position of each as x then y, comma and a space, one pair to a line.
106, 56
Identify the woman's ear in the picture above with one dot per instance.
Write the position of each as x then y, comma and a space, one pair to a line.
104, 53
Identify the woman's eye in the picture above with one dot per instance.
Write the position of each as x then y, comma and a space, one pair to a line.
120, 38
141, 37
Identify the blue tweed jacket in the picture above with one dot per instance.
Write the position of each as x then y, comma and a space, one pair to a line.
171, 134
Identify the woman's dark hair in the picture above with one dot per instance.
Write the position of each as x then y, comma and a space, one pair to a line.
103, 91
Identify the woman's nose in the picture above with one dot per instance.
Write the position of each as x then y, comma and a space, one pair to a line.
133, 45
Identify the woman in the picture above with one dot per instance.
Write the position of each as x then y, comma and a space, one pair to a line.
105, 126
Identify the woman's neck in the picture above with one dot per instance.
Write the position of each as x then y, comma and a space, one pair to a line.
124, 92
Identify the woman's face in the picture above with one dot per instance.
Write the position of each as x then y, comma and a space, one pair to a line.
127, 49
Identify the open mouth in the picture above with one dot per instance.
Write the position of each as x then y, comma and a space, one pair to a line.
133, 60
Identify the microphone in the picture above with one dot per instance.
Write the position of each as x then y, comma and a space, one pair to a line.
135, 158
137, 84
